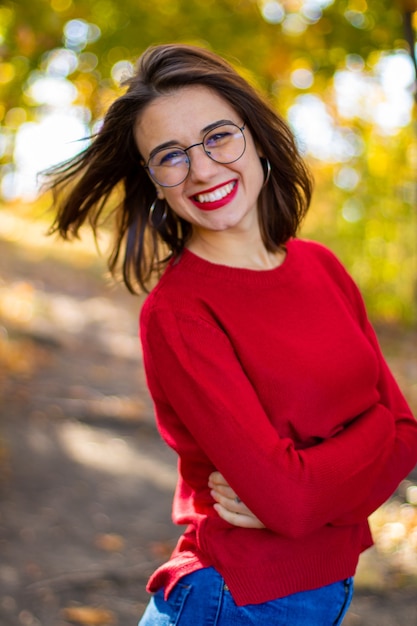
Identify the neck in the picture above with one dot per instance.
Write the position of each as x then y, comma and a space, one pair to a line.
233, 250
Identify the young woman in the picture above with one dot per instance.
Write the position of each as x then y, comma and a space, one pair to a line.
265, 373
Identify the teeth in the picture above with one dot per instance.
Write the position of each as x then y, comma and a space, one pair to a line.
218, 194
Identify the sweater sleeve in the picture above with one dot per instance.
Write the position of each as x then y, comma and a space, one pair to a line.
191, 366
403, 456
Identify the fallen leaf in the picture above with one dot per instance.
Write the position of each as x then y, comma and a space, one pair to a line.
89, 616
109, 542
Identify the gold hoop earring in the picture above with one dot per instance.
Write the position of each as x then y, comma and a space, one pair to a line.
151, 215
266, 166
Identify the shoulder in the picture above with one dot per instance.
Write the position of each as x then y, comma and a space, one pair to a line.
315, 258
331, 272
310, 248
175, 290
318, 256
178, 301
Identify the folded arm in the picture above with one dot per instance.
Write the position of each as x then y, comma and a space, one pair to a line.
390, 468
403, 454
291, 491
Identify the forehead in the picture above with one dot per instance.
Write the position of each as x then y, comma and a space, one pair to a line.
181, 115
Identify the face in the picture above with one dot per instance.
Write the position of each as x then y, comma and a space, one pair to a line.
214, 197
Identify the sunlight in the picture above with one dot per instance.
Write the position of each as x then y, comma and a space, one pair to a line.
121, 71
382, 98
59, 125
78, 33
15, 228
302, 78
103, 451
295, 17
56, 137
324, 139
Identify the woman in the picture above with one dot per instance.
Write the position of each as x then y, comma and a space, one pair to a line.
265, 373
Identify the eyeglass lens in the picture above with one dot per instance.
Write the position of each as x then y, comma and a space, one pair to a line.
224, 144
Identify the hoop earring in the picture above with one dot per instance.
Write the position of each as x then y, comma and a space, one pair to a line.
266, 166
151, 215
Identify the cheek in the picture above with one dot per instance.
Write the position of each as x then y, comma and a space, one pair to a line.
253, 162
175, 201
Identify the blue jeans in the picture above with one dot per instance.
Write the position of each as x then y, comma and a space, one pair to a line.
203, 599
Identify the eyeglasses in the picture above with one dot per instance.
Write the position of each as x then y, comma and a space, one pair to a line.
224, 144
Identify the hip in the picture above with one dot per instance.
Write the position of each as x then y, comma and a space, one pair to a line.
203, 598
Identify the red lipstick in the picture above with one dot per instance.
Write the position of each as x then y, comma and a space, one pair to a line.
212, 205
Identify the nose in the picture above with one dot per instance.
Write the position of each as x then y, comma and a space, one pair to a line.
201, 166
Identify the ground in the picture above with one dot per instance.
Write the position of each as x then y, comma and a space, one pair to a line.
86, 484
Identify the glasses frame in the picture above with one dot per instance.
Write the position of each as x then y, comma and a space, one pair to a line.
194, 145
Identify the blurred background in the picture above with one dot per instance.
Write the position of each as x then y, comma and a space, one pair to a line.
85, 482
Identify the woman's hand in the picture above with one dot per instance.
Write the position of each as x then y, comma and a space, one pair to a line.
228, 504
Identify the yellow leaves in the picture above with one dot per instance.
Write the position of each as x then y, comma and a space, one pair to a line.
89, 616
378, 161
358, 5
167, 7
106, 13
6, 19
85, 88
15, 117
17, 357
61, 5
7, 73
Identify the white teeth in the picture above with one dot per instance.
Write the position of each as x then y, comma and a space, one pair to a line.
217, 194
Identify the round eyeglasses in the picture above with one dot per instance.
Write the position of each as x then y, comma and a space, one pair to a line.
224, 143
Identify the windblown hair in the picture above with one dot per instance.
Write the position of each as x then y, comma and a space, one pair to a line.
86, 186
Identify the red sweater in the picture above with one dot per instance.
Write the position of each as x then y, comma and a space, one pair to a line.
275, 379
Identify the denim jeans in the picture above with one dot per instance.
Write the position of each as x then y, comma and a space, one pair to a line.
202, 599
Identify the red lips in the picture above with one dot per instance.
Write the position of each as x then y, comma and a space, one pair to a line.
216, 204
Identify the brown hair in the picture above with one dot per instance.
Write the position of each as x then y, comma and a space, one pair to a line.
112, 163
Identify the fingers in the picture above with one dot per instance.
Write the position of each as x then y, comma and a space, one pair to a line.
238, 519
219, 485
228, 499
216, 479
225, 495
235, 511
228, 504
223, 492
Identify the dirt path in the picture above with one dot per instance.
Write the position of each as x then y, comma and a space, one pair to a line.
86, 483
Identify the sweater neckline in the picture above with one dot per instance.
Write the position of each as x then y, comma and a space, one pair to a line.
191, 262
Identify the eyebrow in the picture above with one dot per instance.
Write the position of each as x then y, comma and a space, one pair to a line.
175, 143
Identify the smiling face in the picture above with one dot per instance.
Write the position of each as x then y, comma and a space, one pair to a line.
214, 197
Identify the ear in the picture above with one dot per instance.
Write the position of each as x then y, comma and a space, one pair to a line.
258, 147
159, 193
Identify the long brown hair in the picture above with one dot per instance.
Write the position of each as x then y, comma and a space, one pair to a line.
109, 173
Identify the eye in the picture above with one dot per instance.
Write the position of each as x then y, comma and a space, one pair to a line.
169, 158
218, 137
